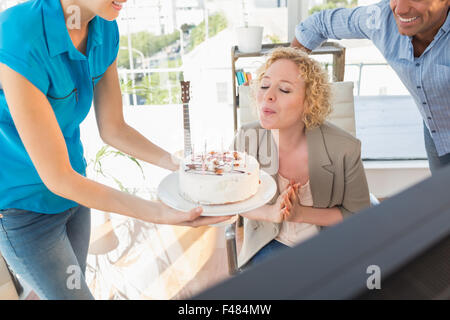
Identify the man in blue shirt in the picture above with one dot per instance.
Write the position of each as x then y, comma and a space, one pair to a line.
414, 38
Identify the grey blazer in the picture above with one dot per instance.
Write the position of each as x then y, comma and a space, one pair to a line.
336, 176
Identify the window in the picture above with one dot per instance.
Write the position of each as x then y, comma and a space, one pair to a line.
163, 42
388, 122
5, 4
387, 119
172, 40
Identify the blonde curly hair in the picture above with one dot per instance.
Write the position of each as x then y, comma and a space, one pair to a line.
317, 86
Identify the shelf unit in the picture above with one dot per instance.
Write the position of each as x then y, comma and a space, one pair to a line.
332, 48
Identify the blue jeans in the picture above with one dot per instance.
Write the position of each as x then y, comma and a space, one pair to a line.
268, 251
48, 251
434, 160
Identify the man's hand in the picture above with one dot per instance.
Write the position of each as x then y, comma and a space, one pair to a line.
297, 44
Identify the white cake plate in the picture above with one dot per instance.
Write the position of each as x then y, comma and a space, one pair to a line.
169, 194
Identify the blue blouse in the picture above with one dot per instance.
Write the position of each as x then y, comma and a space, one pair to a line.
34, 42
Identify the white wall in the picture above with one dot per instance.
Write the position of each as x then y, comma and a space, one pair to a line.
387, 178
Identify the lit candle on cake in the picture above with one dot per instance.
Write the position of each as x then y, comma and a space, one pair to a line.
203, 163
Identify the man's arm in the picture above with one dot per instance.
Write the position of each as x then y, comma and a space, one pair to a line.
297, 44
342, 23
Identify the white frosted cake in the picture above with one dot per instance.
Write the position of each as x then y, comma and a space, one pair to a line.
218, 177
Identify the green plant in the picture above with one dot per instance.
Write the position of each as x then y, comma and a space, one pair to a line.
273, 38
332, 4
126, 86
97, 166
154, 90
145, 42
186, 28
216, 23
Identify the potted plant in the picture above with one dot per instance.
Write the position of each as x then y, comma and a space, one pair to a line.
98, 172
249, 38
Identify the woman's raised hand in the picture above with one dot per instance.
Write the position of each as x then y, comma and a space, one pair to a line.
292, 203
279, 211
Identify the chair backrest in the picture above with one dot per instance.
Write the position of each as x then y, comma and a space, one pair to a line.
343, 105
343, 114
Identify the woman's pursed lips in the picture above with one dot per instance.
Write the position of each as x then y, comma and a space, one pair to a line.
268, 111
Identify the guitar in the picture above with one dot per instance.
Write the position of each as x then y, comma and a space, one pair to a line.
185, 98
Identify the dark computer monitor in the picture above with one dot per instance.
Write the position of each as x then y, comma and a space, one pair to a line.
405, 241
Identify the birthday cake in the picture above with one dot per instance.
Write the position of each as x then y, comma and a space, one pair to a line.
218, 177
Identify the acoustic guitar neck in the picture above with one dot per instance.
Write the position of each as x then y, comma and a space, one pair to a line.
185, 97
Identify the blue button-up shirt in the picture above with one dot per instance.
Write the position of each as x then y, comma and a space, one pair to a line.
34, 42
427, 77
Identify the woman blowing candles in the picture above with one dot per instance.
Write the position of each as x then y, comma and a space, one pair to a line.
317, 166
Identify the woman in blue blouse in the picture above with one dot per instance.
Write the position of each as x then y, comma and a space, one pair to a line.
50, 72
